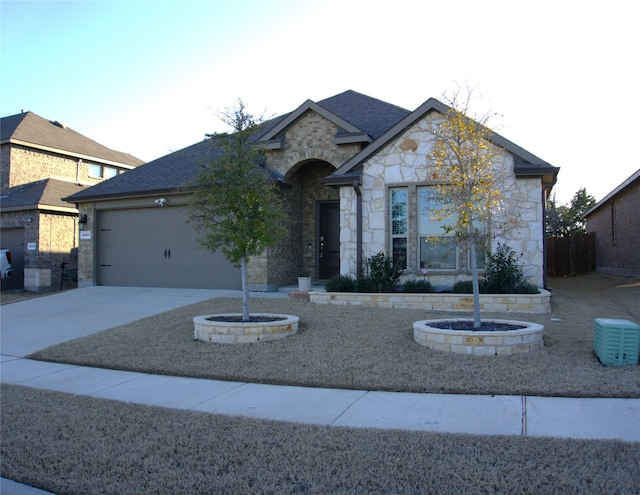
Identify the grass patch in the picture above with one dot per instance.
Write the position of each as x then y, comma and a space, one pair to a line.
80, 445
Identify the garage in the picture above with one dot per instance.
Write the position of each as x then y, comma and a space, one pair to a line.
13, 239
155, 247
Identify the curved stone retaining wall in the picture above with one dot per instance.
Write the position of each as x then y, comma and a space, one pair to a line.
480, 343
223, 332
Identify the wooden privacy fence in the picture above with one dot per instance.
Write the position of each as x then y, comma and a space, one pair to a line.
571, 254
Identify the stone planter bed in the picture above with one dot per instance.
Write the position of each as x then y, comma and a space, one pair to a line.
265, 327
526, 338
497, 303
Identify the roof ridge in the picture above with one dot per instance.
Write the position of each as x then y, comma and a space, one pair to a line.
31, 128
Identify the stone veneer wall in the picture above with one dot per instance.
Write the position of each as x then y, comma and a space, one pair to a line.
309, 153
493, 303
310, 138
403, 162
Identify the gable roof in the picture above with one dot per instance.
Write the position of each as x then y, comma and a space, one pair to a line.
626, 184
359, 118
41, 194
170, 172
29, 129
525, 163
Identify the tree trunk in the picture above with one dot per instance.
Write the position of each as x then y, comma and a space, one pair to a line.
476, 284
245, 289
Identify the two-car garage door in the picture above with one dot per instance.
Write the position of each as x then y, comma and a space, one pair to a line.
155, 247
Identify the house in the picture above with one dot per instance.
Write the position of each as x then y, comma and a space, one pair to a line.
41, 162
351, 163
616, 223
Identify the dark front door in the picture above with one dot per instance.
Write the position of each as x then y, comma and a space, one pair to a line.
328, 239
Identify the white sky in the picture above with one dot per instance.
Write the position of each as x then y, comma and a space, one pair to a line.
148, 77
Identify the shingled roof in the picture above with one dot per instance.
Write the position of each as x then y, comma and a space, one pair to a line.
168, 173
41, 194
29, 129
525, 163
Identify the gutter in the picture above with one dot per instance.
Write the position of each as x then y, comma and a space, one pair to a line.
356, 188
545, 194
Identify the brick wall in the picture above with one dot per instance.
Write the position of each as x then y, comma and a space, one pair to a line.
21, 165
620, 255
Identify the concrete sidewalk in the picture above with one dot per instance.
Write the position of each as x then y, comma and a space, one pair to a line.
444, 413
31, 325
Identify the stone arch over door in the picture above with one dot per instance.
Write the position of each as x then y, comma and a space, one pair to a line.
309, 194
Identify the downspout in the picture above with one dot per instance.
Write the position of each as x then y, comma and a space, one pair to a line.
544, 230
356, 188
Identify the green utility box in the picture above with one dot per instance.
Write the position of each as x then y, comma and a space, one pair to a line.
616, 342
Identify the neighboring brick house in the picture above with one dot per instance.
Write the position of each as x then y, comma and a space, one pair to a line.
351, 164
41, 162
615, 220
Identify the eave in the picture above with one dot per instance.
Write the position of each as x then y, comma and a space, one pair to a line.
73, 154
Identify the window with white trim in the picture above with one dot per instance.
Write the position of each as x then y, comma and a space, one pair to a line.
399, 226
102, 171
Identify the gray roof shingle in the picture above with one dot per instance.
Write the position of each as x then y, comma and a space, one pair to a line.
41, 193
32, 129
177, 169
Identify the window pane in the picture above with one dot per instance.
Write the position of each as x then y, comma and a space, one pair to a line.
427, 202
438, 254
398, 211
481, 259
110, 172
399, 247
95, 170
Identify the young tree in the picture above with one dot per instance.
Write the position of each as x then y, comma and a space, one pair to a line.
556, 219
468, 181
564, 220
580, 204
235, 204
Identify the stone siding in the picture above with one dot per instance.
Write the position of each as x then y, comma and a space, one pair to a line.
310, 138
492, 303
403, 163
309, 153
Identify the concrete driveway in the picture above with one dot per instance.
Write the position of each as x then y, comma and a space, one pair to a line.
34, 324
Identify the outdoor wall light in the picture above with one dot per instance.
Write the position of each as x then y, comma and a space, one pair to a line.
28, 219
160, 201
82, 219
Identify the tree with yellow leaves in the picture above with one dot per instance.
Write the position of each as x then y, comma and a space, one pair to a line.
468, 178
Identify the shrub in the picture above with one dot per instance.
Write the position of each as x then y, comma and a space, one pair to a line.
526, 288
340, 283
418, 286
380, 274
504, 273
463, 287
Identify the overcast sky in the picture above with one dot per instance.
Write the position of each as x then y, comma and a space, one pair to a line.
149, 77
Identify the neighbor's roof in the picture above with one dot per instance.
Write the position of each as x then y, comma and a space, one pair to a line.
627, 183
29, 129
354, 113
41, 194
